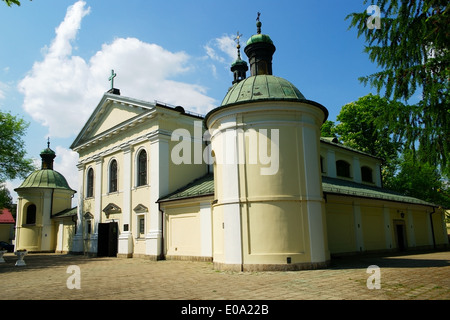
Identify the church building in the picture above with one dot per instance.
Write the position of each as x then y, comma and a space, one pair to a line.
45, 219
249, 186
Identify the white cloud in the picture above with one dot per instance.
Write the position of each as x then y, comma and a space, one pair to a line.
227, 45
65, 162
3, 88
62, 90
222, 49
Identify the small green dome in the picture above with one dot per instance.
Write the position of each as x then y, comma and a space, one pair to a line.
262, 87
45, 179
239, 62
48, 151
259, 38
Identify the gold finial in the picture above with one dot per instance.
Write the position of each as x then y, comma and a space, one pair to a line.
238, 41
258, 23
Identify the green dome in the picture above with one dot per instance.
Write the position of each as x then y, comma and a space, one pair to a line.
48, 151
45, 179
262, 87
238, 62
259, 38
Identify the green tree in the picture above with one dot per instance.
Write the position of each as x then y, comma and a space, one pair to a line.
420, 180
361, 127
11, 2
327, 129
411, 48
13, 161
6, 200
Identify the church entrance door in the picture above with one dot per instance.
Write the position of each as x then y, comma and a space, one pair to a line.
108, 235
400, 232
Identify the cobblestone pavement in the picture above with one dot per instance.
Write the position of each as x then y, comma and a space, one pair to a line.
418, 276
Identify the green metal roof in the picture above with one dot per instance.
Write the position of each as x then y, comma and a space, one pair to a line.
259, 38
46, 178
262, 87
48, 151
66, 213
238, 62
350, 188
205, 187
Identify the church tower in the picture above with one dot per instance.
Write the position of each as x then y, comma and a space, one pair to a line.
239, 67
43, 195
268, 211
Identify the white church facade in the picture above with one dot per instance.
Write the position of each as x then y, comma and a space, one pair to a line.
249, 186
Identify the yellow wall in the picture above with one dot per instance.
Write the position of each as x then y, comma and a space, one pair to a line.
42, 236
274, 209
115, 114
421, 228
373, 228
340, 226
376, 225
183, 231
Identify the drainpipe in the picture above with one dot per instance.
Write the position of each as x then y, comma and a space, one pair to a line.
432, 228
51, 203
161, 255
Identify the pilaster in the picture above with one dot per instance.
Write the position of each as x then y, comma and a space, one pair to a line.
331, 164
356, 170
98, 203
358, 227
125, 248
78, 237
387, 228
159, 181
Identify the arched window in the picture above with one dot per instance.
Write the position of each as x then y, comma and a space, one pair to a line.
90, 183
343, 168
366, 174
31, 214
113, 176
142, 168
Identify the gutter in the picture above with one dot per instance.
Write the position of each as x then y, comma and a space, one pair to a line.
432, 228
162, 255
51, 203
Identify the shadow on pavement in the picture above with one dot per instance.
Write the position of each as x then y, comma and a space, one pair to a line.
414, 259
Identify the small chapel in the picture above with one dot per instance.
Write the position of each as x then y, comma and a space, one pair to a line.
251, 186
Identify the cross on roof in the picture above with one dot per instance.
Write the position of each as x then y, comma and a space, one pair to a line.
238, 41
111, 78
238, 38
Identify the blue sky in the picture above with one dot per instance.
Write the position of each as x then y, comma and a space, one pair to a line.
56, 57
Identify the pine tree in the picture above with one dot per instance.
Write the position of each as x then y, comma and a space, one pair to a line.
411, 48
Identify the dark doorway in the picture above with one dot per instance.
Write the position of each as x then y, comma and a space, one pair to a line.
108, 235
401, 235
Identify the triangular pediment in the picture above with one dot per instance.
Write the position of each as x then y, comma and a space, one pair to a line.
112, 208
113, 113
140, 208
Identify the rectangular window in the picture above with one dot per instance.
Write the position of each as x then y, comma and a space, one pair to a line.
141, 227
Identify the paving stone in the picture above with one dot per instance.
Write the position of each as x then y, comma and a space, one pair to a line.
403, 277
